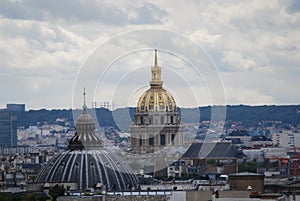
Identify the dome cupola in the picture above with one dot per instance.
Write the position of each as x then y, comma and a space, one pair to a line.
156, 99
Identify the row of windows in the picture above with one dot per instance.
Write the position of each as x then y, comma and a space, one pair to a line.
162, 140
162, 120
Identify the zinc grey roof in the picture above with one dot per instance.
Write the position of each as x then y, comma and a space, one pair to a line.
87, 168
212, 150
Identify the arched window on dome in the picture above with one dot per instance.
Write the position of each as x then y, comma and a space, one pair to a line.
170, 104
142, 120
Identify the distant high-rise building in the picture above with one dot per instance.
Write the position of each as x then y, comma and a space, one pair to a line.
15, 107
286, 138
8, 129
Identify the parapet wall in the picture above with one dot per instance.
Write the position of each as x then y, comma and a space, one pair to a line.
113, 198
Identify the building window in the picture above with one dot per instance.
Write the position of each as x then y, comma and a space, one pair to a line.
172, 120
141, 140
142, 120
162, 120
151, 141
162, 139
173, 139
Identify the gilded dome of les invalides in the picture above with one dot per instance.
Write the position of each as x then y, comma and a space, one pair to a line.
156, 123
156, 99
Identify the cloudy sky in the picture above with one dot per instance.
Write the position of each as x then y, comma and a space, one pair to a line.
211, 52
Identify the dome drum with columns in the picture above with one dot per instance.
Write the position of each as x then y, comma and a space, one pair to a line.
86, 163
156, 121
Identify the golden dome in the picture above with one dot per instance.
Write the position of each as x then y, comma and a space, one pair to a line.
156, 99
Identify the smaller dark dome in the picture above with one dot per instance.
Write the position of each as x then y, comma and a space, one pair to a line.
87, 168
86, 163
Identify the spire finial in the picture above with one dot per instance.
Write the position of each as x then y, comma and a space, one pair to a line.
155, 58
156, 74
84, 107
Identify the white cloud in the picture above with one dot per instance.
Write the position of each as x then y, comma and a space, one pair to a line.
238, 61
255, 44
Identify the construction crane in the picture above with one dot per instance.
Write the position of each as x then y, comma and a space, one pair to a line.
295, 159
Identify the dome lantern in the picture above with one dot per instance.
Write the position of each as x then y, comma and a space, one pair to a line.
156, 74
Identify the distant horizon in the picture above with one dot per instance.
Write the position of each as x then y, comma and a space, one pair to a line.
28, 109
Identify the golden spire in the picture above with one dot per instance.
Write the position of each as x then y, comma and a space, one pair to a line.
156, 74
155, 58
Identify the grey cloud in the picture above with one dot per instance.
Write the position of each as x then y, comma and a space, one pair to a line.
147, 14
48, 40
71, 11
294, 6
76, 11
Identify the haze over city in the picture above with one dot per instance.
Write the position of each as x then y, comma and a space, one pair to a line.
149, 100
45, 47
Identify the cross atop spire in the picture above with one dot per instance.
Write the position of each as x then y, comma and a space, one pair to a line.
84, 107
155, 58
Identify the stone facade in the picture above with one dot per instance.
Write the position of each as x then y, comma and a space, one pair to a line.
207, 195
241, 181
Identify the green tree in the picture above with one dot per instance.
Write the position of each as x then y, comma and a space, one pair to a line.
247, 167
57, 190
5, 196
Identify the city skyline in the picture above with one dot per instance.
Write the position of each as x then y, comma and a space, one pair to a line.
254, 45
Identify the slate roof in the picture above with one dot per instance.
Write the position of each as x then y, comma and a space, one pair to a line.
31, 166
212, 150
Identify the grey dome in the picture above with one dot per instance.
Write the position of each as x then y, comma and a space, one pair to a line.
87, 163
85, 118
87, 168
84, 137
